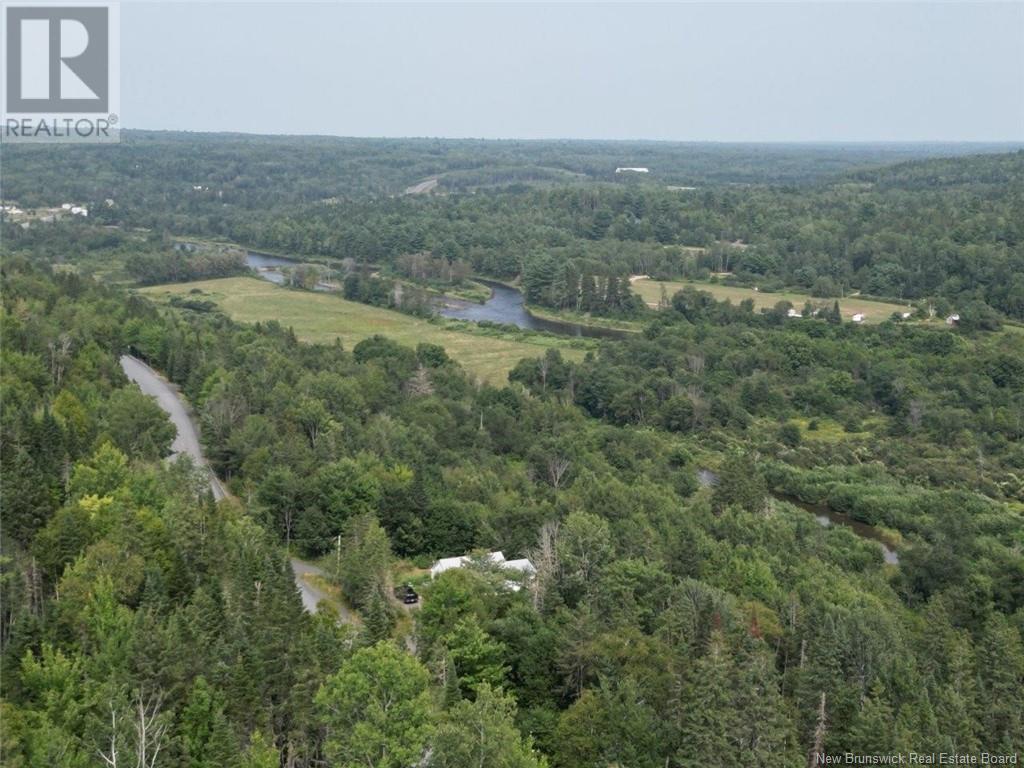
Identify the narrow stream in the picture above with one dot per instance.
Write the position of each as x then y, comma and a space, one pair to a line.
828, 517
825, 516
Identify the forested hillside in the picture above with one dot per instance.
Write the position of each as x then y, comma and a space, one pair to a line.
760, 533
256, 172
943, 232
671, 623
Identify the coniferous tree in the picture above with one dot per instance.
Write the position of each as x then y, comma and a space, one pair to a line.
762, 726
710, 723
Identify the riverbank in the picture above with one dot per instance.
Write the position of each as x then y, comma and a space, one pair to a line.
484, 300
507, 307
583, 318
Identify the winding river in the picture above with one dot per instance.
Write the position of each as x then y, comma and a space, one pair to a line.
506, 305
828, 517
268, 267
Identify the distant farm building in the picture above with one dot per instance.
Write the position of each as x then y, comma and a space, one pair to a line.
632, 170
953, 319
858, 318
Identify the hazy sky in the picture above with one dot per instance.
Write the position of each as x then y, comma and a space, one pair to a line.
819, 71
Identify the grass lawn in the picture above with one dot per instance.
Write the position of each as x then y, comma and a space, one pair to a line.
874, 311
321, 318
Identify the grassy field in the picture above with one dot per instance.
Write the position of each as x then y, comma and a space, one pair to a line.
582, 318
321, 318
874, 311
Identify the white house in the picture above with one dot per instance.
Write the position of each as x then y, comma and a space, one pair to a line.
522, 565
905, 315
632, 170
858, 318
446, 564
953, 319
793, 313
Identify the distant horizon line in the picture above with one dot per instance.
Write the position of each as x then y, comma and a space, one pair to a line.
409, 137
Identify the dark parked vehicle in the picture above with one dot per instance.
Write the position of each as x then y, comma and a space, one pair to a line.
407, 594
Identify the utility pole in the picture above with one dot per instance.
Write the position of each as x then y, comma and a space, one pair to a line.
337, 567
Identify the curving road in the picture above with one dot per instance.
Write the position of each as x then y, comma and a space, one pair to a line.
311, 595
187, 440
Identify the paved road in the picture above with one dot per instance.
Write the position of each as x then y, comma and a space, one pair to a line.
311, 595
187, 442
167, 397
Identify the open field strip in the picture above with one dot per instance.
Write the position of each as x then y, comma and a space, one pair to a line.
874, 311
321, 318
581, 318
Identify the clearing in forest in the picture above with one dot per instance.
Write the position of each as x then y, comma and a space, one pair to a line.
321, 318
874, 311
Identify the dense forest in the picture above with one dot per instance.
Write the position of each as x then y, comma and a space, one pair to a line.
688, 609
831, 222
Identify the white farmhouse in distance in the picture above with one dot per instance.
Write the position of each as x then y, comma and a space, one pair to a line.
953, 319
632, 170
858, 318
